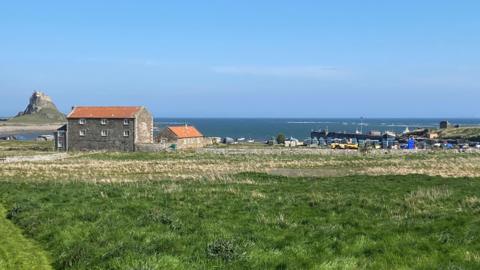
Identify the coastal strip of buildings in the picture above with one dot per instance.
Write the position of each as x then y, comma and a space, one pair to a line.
130, 128
420, 138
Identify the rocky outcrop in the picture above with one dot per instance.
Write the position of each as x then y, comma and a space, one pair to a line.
40, 109
38, 101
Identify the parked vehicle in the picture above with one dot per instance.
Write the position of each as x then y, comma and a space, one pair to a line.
344, 146
448, 146
463, 146
228, 140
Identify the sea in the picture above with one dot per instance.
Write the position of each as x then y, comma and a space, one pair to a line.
261, 129
300, 128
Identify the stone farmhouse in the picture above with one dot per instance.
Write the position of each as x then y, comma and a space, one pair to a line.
182, 137
105, 128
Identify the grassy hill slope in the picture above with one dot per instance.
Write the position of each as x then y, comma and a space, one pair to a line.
44, 116
470, 133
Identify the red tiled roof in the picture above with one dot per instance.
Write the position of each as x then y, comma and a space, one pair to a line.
104, 112
185, 131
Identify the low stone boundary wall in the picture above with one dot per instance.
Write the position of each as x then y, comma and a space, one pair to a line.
167, 146
151, 147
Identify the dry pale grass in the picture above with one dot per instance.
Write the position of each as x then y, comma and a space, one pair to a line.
258, 195
219, 166
462, 166
471, 203
472, 256
424, 198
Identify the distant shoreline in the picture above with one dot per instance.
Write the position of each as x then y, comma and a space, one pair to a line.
12, 129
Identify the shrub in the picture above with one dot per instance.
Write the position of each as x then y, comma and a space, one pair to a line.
222, 249
156, 215
281, 138
14, 211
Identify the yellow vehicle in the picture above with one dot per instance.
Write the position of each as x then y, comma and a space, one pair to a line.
352, 146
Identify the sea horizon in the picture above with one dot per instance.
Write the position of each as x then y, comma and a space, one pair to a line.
264, 128
300, 128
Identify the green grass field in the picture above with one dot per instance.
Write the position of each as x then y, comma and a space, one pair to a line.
209, 210
17, 252
259, 222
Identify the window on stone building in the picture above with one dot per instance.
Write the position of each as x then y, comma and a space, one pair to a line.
82, 121
103, 121
126, 133
125, 122
82, 132
104, 133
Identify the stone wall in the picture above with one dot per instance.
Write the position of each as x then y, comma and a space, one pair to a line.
151, 147
166, 135
188, 143
144, 127
93, 140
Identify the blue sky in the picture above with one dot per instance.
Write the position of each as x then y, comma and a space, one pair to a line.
245, 58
